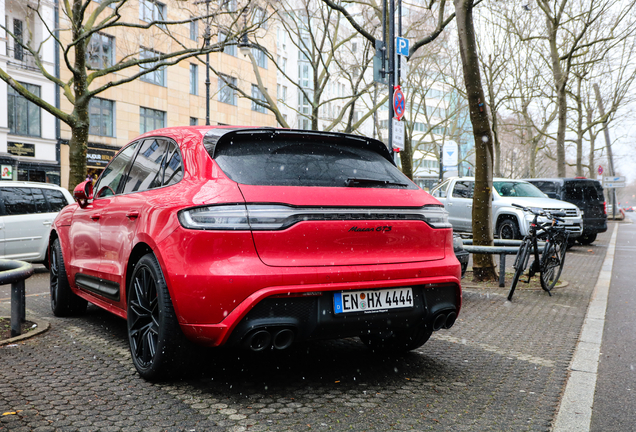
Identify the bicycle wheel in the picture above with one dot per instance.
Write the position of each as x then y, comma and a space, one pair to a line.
520, 264
552, 262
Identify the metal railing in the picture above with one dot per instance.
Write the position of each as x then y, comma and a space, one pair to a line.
14, 273
502, 248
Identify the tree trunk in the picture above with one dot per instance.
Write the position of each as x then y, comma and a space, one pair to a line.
406, 156
483, 264
579, 130
78, 146
560, 81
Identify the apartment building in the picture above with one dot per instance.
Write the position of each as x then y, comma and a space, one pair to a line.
28, 145
173, 95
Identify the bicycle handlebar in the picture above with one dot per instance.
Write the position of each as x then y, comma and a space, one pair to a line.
557, 215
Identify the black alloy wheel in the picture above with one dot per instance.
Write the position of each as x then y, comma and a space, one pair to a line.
508, 230
157, 344
587, 239
143, 317
63, 301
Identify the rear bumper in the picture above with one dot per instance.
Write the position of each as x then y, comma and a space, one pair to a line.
312, 317
592, 226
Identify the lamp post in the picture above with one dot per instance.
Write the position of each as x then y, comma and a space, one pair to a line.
207, 62
206, 45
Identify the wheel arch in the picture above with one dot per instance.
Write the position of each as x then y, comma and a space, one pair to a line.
136, 254
508, 216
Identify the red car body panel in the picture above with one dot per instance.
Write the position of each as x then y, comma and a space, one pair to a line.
216, 277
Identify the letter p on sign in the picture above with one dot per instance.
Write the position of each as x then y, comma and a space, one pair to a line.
402, 46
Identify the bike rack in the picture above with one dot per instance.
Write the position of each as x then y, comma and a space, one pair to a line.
15, 273
502, 248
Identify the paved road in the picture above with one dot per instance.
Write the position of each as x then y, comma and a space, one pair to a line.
502, 367
614, 406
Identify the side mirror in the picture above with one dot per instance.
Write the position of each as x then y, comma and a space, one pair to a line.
552, 195
83, 192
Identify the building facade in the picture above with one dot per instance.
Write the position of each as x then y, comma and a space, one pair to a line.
28, 146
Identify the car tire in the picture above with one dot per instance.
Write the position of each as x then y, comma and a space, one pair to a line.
587, 239
508, 230
157, 345
64, 302
399, 341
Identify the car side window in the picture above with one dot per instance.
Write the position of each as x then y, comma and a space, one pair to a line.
41, 206
463, 189
440, 191
56, 199
17, 201
146, 170
115, 172
173, 166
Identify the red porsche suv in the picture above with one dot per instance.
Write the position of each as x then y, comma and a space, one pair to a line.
257, 238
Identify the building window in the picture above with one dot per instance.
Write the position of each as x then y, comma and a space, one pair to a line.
304, 112
230, 47
150, 119
259, 18
157, 76
226, 93
100, 52
18, 50
194, 121
150, 10
194, 79
229, 5
258, 95
260, 57
24, 116
102, 117
194, 30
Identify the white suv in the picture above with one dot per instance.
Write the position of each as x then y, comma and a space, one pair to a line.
508, 222
27, 210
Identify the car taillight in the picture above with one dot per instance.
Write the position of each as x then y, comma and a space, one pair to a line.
271, 217
605, 207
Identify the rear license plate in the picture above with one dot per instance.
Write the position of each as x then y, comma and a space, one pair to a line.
365, 301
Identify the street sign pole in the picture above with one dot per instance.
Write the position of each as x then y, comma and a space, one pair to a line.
391, 54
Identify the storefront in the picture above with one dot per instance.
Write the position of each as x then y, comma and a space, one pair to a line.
20, 163
97, 157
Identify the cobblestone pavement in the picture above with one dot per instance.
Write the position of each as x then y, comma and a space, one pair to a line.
502, 367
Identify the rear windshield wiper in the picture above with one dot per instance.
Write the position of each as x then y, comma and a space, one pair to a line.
364, 181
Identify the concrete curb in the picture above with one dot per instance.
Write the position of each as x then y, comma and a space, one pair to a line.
42, 326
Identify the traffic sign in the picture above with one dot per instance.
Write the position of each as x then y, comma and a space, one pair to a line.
450, 154
614, 185
600, 170
398, 134
614, 179
402, 46
399, 104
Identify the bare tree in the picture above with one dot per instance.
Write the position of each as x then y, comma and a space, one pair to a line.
82, 23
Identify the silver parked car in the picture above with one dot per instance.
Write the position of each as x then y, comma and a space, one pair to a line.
509, 222
27, 210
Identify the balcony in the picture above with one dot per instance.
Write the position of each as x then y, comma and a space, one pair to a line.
21, 58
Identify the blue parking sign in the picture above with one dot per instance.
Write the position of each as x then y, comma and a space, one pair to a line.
402, 46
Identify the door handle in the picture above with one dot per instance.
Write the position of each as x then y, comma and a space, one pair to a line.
449, 204
96, 217
133, 214
469, 206
46, 223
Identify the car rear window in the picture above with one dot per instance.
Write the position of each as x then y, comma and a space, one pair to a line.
583, 191
307, 163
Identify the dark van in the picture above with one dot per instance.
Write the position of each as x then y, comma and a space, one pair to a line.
588, 196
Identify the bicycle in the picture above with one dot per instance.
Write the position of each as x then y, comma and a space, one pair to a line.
549, 264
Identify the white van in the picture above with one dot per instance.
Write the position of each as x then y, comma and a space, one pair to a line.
27, 210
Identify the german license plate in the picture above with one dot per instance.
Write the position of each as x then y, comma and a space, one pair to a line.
366, 301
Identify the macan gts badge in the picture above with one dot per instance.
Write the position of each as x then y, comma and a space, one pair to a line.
255, 238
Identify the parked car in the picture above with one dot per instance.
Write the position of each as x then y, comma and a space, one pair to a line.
461, 253
27, 210
586, 194
256, 238
509, 222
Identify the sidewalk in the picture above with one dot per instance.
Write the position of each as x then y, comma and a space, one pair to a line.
502, 367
